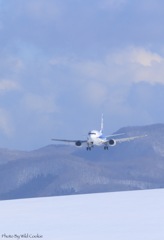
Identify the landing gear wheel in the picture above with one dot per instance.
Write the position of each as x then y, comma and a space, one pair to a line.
105, 147
88, 148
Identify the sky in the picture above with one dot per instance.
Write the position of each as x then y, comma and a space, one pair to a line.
65, 62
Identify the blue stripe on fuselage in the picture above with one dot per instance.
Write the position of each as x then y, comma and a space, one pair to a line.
102, 137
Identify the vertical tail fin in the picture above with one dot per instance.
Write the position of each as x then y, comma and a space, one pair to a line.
102, 123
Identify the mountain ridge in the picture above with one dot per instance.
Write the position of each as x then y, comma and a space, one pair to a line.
64, 169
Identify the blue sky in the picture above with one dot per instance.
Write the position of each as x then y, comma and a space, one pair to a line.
64, 62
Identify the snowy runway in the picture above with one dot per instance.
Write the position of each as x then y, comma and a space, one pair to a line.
137, 215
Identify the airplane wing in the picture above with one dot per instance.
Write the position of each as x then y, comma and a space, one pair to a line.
69, 141
113, 135
120, 140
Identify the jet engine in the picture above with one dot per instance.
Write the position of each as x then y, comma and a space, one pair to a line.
78, 143
112, 142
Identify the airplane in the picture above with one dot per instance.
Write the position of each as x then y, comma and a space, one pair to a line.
96, 138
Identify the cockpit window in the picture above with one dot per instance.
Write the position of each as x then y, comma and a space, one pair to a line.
92, 133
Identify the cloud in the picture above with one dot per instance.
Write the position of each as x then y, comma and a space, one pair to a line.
137, 55
41, 104
8, 85
36, 10
140, 65
95, 92
41, 9
131, 65
113, 4
10, 64
15, 63
107, 82
60, 61
5, 123
91, 69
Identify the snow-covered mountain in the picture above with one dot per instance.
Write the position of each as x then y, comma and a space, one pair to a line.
62, 169
137, 215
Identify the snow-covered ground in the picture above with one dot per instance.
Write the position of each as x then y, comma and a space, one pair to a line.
134, 215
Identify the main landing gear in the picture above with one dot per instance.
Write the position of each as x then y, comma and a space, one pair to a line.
88, 148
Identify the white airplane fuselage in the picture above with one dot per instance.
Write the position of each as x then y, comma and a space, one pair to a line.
95, 138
